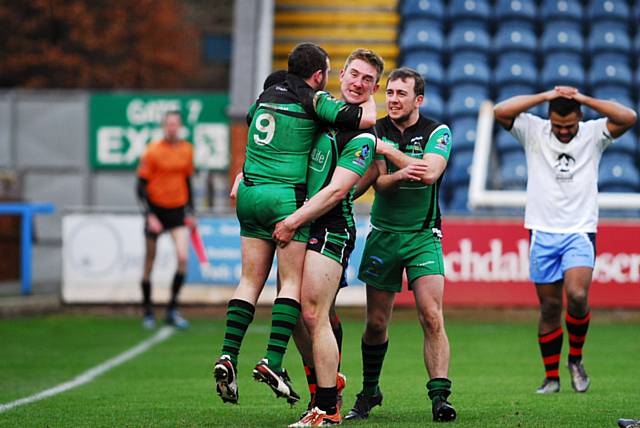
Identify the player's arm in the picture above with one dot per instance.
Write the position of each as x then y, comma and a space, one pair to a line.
395, 156
619, 117
342, 114
251, 113
233, 194
389, 182
366, 181
341, 184
143, 200
506, 111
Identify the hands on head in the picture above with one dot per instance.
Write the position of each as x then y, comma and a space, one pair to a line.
566, 92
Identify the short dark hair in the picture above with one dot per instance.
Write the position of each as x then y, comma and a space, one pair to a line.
368, 56
274, 78
564, 106
171, 113
307, 58
404, 73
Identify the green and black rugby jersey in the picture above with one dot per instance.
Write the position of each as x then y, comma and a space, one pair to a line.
353, 150
284, 121
413, 206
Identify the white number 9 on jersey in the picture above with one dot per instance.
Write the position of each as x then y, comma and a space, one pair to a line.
265, 124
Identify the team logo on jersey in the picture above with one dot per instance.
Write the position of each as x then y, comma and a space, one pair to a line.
373, 266
313, 241
443, 141
564, 167
362, 155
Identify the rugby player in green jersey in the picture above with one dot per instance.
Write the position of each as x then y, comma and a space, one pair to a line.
283, 123
405, 237
339, 158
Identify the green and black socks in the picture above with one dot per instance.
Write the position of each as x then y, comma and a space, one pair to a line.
239, 316
439, 389
372, 359
284, 316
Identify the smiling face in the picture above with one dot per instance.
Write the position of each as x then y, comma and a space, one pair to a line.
402, 102
565, 127
358, 81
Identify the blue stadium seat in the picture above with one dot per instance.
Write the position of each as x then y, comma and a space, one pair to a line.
608, 38
467, 69
636, 43
512, 37
464, 105
468, 38
513, 171
429, 9
428, 65
459, 200
617, 93
521, 11
637, 11
613, 11
421, 35
562, 69
470, 10
603, 73
515, 69
561, 10
480, 90
561, 37
618, 173
464, 133
432, 106
627, 144
612, 58
506, 143
459, 168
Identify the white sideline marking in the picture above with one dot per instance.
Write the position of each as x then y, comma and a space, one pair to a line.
86, 377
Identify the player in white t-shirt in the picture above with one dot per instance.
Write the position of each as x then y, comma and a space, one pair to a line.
563, 154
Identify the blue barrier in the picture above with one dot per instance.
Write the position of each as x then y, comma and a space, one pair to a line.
26, 210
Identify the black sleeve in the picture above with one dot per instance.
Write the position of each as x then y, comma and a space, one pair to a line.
349, 117
143, 196
189, 207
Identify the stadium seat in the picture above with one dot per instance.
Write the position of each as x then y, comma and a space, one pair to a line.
459, 200
561, 37
562, 69
464, 105
470, 88
561, 10
506, 143
433, 106
417, 9
603, 73
421, 35
468, 38
520, 11
464, 133
636, 44
607, 38
627, 144
459, 168
613, 11
468, 69
470, 10
620, 94
428, 65
515, 69
513, 37
612, 58
618, 173
513, 171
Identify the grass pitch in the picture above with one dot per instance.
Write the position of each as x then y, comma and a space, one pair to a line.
495, 368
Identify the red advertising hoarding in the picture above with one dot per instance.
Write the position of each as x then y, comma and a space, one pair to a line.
487, 264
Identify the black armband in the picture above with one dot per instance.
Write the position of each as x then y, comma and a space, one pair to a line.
349, 117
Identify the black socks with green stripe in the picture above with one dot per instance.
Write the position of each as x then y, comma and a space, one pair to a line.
372, 359
239, 316
284, 316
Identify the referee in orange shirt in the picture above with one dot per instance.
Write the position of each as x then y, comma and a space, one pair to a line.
164, 191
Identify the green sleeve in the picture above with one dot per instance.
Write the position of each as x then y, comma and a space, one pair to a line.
358, 153
252, 111
440, 142
335, 111
386, 140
